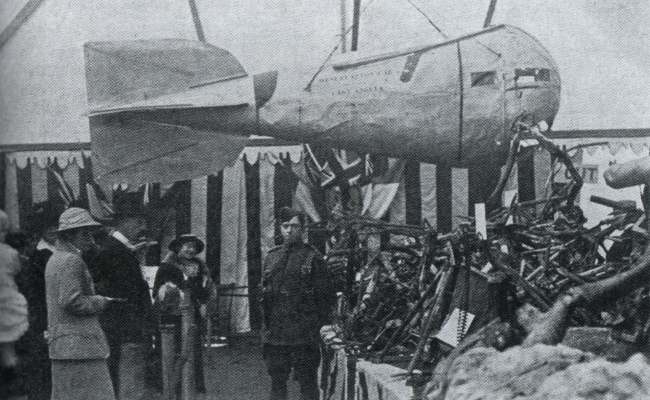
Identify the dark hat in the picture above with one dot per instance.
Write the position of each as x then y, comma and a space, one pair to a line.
175, 244
285, 214
43, 216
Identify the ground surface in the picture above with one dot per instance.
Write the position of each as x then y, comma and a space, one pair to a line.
237, 372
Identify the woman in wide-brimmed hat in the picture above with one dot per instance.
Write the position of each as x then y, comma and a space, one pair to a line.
183, 272
77, 345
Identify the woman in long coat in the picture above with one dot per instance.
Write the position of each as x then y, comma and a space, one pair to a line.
182, 269
77, 344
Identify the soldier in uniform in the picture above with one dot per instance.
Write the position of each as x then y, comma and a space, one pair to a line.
296, 302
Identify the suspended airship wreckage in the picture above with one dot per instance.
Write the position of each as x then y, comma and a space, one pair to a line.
160, 106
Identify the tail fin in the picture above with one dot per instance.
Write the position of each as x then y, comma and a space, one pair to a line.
167, 110
164, 73
138, 151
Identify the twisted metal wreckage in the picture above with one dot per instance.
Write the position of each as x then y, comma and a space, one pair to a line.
422, 303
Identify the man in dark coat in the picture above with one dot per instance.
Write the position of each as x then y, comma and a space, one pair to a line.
296, 303
31, 283
116, 271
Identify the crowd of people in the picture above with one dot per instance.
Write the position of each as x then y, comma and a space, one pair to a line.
73, 302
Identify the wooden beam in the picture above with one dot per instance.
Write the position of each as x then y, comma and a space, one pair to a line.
18, 147
443, 198
20, 18
183, 207
344, 27
526, 174
413, 193
213, 225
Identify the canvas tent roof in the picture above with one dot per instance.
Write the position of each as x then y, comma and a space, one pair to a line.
602, 49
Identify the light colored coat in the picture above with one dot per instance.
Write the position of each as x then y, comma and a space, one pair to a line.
13, 306
72, 308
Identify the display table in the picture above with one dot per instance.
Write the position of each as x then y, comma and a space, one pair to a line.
381, 382
336, 374
345, 378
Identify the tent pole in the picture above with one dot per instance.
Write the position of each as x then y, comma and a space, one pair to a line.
3, 182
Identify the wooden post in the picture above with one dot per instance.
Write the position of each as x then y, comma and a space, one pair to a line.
3, 180
188, 329
177, 345
168, 350
183, 207
526, 174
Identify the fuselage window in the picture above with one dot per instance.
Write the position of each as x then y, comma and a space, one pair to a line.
530, 75
484, 78
409, 67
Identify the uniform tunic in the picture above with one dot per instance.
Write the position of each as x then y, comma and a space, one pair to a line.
296, 295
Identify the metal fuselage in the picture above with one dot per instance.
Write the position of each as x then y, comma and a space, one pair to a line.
448, 103
452, 102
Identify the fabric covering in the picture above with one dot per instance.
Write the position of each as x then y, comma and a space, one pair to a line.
234, 260
334, 373
381, 381
166, 153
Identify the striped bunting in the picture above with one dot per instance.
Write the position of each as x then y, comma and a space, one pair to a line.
234, 211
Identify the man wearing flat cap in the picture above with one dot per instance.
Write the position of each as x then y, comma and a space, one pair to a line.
76, 342
296, 302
